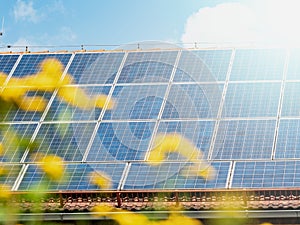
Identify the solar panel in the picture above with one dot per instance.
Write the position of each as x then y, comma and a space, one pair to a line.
63, 111
76, 177
293, 65
173, 176
245, 139
288, 139
266, 174
258, 64
252, 100
16, 139
291, 104
7, 62
95, 68
67, 140
29, 63
137, 102
238, 107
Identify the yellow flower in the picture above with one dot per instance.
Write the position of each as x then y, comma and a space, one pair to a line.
1, 149
201, 169
75, 96
33, 103
5, 191
53, 166
100, 179
100, 102
173, 142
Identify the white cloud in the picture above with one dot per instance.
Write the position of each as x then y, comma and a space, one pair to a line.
24, 11
259, 21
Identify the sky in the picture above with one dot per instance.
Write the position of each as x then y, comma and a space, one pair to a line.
111, 23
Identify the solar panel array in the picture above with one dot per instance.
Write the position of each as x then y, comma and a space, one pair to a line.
239, 106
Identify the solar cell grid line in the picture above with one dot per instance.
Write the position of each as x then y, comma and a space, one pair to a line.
15, 138
174, 175
258, 64
244, 139
230, 174
163, 105
109, 96
11, 173
221, 108
152, 67
252, 100
7, 62
280, 102
96, 68
77, 177
20, 177
290, 103
288, 139
266, 174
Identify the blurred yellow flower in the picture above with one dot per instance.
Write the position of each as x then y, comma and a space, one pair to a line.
34, 103
5, 191
172, 142
199, 169
101, 179
100, 102
266, 223
1, 149
48, 79
53, 166
3, 171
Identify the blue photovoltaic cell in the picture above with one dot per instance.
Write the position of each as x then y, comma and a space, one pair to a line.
143, 67
203, 66
77, 177
192, 68
15, 139
258, 64
124, 141
63, 111
174, 176
12, 113
266, 174
291, 103
244, 139
29, 64
95, 68
67, 140
288, 140
11, 174
136, 102
193, 101
7, 62
252, 100
199, 133
293, 69
217, 61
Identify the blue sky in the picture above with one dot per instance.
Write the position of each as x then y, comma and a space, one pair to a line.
76, 22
